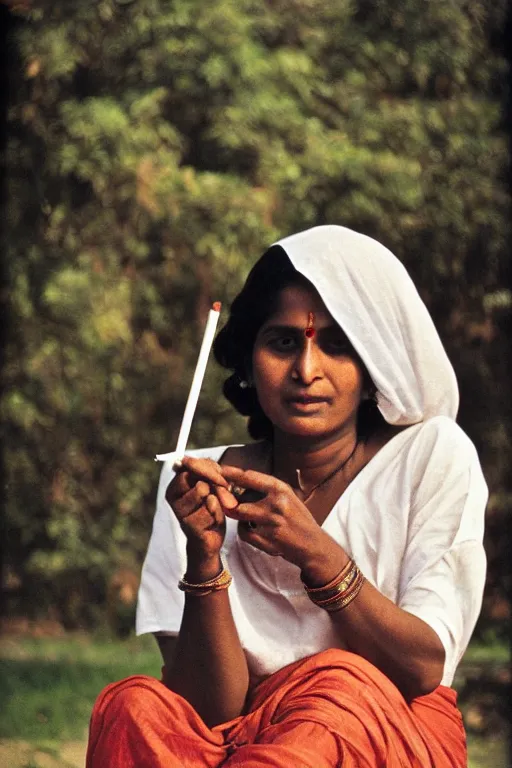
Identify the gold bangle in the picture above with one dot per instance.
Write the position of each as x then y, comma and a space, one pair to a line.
334, 590
342, 590
344, 601
221, 581
210, 583
337, 579
339, 589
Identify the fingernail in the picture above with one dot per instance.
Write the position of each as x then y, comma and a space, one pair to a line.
177, 465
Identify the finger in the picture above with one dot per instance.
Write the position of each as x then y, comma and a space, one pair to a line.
190, 502
205, 468
202, 489
247, 496
256, 538
183, 486
227, 499
214, 508
179, 486
199, 494
249, 478
198, 521
249, 513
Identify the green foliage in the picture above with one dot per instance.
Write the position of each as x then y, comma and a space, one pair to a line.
156, 147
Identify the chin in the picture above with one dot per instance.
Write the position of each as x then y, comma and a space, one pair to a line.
303, 428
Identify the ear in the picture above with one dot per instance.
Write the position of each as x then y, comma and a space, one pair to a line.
370, 392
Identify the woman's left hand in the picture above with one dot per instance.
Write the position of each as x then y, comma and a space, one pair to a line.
278, 523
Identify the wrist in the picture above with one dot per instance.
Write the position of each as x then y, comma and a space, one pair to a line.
320, 568
202, 567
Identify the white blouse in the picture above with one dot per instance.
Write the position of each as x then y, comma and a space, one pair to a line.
412, 519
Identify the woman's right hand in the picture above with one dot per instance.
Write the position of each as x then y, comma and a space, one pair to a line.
198, 495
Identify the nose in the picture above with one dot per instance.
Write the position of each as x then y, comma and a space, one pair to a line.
308, 363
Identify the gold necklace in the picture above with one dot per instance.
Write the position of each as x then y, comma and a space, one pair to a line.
326, 479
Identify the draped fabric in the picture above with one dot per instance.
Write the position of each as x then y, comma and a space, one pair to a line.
330, 710
370, 295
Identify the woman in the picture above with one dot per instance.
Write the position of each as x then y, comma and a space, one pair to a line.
323, 581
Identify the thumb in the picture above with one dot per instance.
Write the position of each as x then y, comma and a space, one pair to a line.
227, 499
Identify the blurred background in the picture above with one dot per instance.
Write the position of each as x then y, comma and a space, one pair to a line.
154, 149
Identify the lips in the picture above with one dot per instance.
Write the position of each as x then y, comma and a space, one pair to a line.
307, 399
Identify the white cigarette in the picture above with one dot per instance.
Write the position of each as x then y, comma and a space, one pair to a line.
195, 389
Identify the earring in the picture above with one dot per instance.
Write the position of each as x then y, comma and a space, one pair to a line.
243, 384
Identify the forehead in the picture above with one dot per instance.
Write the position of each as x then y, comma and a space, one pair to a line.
294, 304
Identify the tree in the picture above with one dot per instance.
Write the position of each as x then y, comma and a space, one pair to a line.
156, 148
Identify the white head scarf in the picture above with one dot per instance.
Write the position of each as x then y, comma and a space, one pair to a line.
370, 295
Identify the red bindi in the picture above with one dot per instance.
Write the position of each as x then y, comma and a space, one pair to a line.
310, 330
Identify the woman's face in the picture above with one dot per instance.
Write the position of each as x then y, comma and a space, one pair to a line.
308, 384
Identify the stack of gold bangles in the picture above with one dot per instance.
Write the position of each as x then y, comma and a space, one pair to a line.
339, 592
222, 581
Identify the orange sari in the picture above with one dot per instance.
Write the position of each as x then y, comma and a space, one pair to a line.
329, 710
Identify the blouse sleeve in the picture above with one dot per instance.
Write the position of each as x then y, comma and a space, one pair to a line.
444, 565
160, 602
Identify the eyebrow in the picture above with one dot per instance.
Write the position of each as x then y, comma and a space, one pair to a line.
299, 329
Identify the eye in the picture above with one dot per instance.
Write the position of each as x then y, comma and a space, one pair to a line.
340, 344
337, 344
283, 343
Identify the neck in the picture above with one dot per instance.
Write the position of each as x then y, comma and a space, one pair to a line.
315, 459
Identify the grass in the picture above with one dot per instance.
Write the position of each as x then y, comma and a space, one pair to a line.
49, 686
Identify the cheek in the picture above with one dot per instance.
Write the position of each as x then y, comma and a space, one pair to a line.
267, 375
351, 380
264, 366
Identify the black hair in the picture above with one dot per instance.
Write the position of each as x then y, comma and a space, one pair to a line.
234, 344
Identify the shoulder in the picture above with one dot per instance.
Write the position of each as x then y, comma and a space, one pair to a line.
446, 478
441, 438
437, 459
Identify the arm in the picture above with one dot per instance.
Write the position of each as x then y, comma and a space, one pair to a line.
206, 665
400, 644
